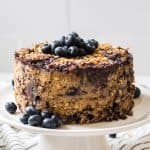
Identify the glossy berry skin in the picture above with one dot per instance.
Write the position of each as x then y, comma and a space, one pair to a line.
73, 51
57, 119
24, 118
82, 52
90, 48
61, 51
70, 40
56, 44
30, 110
137, 92
80, 43
74, 34
46, 114
47, 49
35, 120
10, 107
51, 123
12, 82
62, 40
93, 42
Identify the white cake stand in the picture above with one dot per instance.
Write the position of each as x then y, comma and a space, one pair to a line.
80, 137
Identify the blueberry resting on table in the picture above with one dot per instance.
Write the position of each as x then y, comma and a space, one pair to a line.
11, 107
137, 92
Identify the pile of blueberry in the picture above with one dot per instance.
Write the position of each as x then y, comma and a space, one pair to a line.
71, 45
33, 117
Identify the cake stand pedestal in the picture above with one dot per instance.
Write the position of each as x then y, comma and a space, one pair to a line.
80, 137
73, 143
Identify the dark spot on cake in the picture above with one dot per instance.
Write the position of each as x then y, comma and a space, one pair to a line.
37, 98
74, 118
47, 104
90, 116
72, 91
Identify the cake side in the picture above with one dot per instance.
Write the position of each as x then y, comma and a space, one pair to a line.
85, 89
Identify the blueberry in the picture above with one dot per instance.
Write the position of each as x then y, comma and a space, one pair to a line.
90, 47
30, 110
114, 135
46, 114
61, 51
62, 40
24, 118
52, 122
82, 52
12, 83
47, 49
35, 120
74, 34
73, 51
80, 42
94, 42
56, 44
11, 107
137, 92
69, 40
57, 120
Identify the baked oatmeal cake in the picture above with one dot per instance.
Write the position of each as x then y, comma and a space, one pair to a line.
79, 85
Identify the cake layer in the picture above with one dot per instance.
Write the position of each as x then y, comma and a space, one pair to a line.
83, 89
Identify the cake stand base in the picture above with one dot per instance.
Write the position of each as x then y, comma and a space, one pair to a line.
48, 142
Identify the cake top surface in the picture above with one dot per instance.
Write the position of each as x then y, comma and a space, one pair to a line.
104, 55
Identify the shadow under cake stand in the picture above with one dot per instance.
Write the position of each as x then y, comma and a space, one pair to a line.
80, 137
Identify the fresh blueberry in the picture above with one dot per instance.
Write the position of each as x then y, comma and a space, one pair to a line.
94, 42
61, 51
56, 44
57, 120
24, 118
70, 40
12, 82
51, 123
80, 42
62, 40
82, 52
11, 107
113, 135
46, 114
30, 110
90, 47
73, 51
47, 49
35, 120
74, 34
137, 92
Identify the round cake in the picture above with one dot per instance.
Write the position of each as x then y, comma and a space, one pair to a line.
82, 89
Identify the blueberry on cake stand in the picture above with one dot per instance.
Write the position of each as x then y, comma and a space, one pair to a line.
80, 137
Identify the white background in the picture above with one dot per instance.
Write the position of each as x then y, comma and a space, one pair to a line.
121, 22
